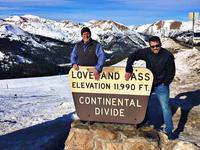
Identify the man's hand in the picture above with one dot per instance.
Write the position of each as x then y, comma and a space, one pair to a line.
127, 76
75, 66
96, 74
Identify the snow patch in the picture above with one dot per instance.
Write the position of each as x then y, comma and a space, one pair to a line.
2, 55
21, 59
187, 61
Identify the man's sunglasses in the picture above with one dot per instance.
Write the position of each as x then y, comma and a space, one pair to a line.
158, 45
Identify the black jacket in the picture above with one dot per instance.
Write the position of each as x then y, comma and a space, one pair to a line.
161, 65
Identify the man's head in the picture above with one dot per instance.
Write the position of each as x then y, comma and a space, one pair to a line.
155, 44
86, 34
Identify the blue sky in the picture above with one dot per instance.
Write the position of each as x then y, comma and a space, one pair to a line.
128, 12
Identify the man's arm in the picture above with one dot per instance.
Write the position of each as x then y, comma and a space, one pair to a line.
74, 58
136, 55
170, 70
100, 62
101, 58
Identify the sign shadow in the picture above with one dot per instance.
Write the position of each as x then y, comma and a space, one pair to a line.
185, 101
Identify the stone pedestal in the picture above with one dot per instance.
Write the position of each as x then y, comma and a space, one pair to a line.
106, 136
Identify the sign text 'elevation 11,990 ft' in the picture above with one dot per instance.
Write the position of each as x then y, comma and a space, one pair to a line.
112, 98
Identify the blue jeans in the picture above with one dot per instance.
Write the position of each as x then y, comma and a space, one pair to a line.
162, 92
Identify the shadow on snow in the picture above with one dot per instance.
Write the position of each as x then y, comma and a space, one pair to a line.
48, 135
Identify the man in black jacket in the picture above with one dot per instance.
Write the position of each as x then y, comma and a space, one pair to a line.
161, 63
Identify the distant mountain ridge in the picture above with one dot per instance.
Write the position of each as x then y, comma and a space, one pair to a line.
67, 31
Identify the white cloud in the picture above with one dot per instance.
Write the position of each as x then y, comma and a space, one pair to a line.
9, 8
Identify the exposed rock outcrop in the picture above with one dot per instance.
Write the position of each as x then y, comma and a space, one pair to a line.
105, 136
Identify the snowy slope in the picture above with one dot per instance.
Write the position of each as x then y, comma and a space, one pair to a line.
30, 101
7, 29
187, 62
13, 32
2, 55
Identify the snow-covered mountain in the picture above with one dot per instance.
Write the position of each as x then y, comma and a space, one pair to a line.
167, 28
49, 28
26, 54
67, 31
15, 33
34, 40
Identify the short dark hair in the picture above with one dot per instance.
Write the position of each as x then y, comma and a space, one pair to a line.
154, 38
85, 29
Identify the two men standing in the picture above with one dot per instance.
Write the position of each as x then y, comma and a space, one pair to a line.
89, 52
